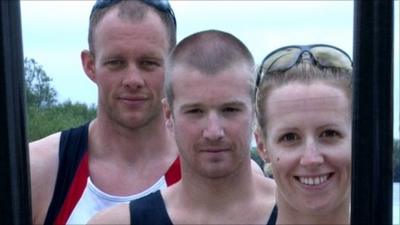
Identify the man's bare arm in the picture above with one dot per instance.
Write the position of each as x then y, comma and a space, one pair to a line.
43, 157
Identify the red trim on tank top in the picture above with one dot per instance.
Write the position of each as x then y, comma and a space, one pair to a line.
75, 192
173, 174
79, 183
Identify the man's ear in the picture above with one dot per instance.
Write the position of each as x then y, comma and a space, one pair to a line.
167, 114
261, 147
88, 64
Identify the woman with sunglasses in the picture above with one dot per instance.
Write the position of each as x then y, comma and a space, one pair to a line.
304, 114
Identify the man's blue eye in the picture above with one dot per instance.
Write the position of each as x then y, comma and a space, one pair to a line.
194, 111
231, 109
114, 64
150, 65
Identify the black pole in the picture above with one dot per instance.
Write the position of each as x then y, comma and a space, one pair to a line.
372, 170
15, 204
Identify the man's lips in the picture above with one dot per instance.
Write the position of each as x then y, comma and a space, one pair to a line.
214, 150
133, 100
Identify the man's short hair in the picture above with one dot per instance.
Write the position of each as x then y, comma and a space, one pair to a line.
208, 52
134, 10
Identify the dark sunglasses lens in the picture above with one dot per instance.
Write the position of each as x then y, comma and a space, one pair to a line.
331, 57
100, 4
163, 6
282, 59
159, 4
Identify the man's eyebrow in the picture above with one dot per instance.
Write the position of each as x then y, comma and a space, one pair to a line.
190, 105
235, 103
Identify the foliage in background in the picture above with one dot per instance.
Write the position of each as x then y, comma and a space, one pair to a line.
256, 157
45, 114
39, 92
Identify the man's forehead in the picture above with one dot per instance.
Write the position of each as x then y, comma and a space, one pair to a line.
212, 91
179, 69
150, 28
194, 103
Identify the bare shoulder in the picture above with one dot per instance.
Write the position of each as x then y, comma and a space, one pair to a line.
118, 214
266, 185
43, 157
50, 141
266, 189
256, 168
43, 153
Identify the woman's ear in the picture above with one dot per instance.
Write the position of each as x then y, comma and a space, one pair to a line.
261, 147
262, 152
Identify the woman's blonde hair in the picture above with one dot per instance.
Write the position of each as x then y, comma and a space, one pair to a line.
304, 72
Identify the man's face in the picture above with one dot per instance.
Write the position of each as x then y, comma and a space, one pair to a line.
129, 68
212, 120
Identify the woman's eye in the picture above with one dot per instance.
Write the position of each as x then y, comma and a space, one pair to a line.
289, 137
329, 134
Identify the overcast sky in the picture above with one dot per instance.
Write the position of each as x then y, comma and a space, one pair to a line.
55, 32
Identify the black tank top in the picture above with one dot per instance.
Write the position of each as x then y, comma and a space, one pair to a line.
273, 216
149, 210
73, 145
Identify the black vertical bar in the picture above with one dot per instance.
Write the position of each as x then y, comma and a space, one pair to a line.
372, 172
15, 204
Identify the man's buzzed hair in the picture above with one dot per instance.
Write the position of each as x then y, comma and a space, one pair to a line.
132, 11
208, 52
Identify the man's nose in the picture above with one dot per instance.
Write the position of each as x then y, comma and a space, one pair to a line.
214, 128
133, 78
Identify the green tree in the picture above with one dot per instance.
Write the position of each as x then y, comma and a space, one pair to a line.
39, 92
45, 114
256, 157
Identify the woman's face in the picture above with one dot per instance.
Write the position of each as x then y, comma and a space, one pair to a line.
308, 142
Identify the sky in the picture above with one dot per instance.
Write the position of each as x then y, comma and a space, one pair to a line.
55, 33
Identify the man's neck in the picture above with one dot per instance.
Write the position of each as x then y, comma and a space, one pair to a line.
217, 192
134, 160
109, 139
236, 199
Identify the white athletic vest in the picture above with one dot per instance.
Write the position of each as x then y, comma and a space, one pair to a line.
94, 200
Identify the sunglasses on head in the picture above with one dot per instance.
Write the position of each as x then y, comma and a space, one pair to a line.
160, 5
321, 55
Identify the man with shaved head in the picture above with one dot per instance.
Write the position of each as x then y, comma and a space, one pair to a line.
126, 152
210, 89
